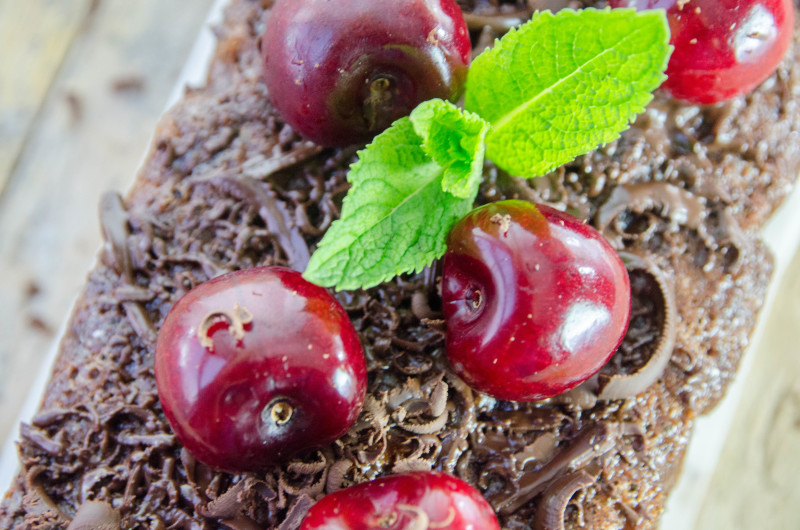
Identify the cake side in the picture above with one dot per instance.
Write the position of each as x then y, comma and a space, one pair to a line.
228, 186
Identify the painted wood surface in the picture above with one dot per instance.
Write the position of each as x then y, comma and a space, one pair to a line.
35, 36
89, 80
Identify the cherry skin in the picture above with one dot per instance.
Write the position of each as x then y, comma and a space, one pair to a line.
406, 501
723, 48
535, 301
339, 72
258, 365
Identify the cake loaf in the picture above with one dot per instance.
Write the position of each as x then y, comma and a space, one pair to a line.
227, 185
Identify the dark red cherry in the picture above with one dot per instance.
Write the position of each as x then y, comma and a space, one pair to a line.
723, 48
535, 301
407, 501
339, 72
258, 365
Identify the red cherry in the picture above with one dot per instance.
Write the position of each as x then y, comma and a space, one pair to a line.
407, 501
723, 48
535, 301
339, 72
257, 365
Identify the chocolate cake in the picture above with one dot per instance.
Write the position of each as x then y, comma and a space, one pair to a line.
227, 185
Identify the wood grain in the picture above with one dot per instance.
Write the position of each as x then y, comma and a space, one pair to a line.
90, 133
34, 37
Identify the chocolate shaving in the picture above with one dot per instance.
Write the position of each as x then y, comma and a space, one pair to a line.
141, 324
39, 508
149, 440
412, 363
679, 205
542, 449
420, 306
436, 324
467, 409
37, 494
620, 386
130, 487
312, 484
595, 440
50, 416
371, 454
132, 293
307, 468
40, 438
418, 347
633, 517
141, 413
551, 508
94, 515
438, 399
430, 427
297, 511
336, 474
411, 464
397, 396
229, 507
261, 167
581, 397
210, 269
376, 412
274, 213
406, 403
114, 220
386, 317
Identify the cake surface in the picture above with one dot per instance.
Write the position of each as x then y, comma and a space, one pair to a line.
228, 186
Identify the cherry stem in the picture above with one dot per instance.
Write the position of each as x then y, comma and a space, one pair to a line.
476, 299
281, 412
380, 93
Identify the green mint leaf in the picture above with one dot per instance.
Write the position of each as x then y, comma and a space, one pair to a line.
560, 85
396, 215
455, 140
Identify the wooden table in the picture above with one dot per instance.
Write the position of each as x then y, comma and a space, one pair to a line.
82, 85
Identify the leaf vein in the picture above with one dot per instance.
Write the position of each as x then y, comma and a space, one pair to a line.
525, 105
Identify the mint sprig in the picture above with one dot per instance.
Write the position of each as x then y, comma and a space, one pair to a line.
563, 84
397, 213
455, 140
553, 89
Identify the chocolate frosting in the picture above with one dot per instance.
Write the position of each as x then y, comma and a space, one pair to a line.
550, 514
626, 385
93, 515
